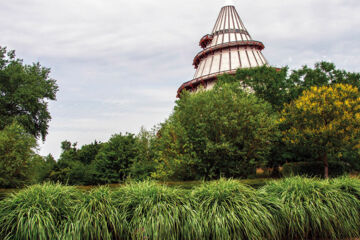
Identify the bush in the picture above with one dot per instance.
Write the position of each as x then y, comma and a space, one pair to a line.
38, 212
230, 210
155, 211
315, 209
313, 169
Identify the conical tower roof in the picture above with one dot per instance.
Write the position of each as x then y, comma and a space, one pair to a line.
226, 49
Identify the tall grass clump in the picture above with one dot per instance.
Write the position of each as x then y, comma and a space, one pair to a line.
154, 211
348, 185
315, 209
231, 210
37, 212
96, 217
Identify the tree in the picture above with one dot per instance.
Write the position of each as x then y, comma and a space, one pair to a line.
41, 167
323, 74
115, 158
24, 94
144, 165
278, 86
16, 151
326, 119
87, 153
76, 166
223, 132
268, 83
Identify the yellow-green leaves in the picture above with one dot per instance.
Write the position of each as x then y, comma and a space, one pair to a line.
325, 117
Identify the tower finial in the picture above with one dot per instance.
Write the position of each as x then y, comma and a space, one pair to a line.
229, 3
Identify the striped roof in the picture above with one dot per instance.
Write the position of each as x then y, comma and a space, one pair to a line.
226, 49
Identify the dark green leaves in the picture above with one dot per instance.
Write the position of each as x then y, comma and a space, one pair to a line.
114, 160
24, 94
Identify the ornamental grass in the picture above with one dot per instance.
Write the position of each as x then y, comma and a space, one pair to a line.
230, 210
348, 184
316, 209
96, 217
37, 212
154, 211
292, 208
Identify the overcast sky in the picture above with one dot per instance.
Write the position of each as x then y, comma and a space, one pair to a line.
119, 63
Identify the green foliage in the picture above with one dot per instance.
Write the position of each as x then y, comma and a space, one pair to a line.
41, 167
173, 154
230, 210
292, 208
76, 166
223, 132
24, 94
144, 164
325, 119
268, 83
154, 211
278, 86
323, 74
87, 153
316, 209
114, 159
38, 212
97, 217
313, 169
121, 157
16, 153
348, 185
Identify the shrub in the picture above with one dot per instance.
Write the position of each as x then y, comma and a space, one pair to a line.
313, 169
315, 209
154, 211
96, 217
230, 210
37, 212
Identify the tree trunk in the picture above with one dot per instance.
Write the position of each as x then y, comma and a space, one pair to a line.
326, 166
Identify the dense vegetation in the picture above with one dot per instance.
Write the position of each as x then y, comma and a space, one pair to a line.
220, 133
325, 119
292, 208
258, 118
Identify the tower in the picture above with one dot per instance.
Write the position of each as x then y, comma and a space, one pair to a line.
226, 49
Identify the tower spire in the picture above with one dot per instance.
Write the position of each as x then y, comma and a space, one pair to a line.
228, 48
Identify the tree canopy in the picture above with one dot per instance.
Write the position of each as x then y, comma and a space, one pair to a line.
278, 86
115, 158
16, 152
223, 132
24, 94
326, 119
